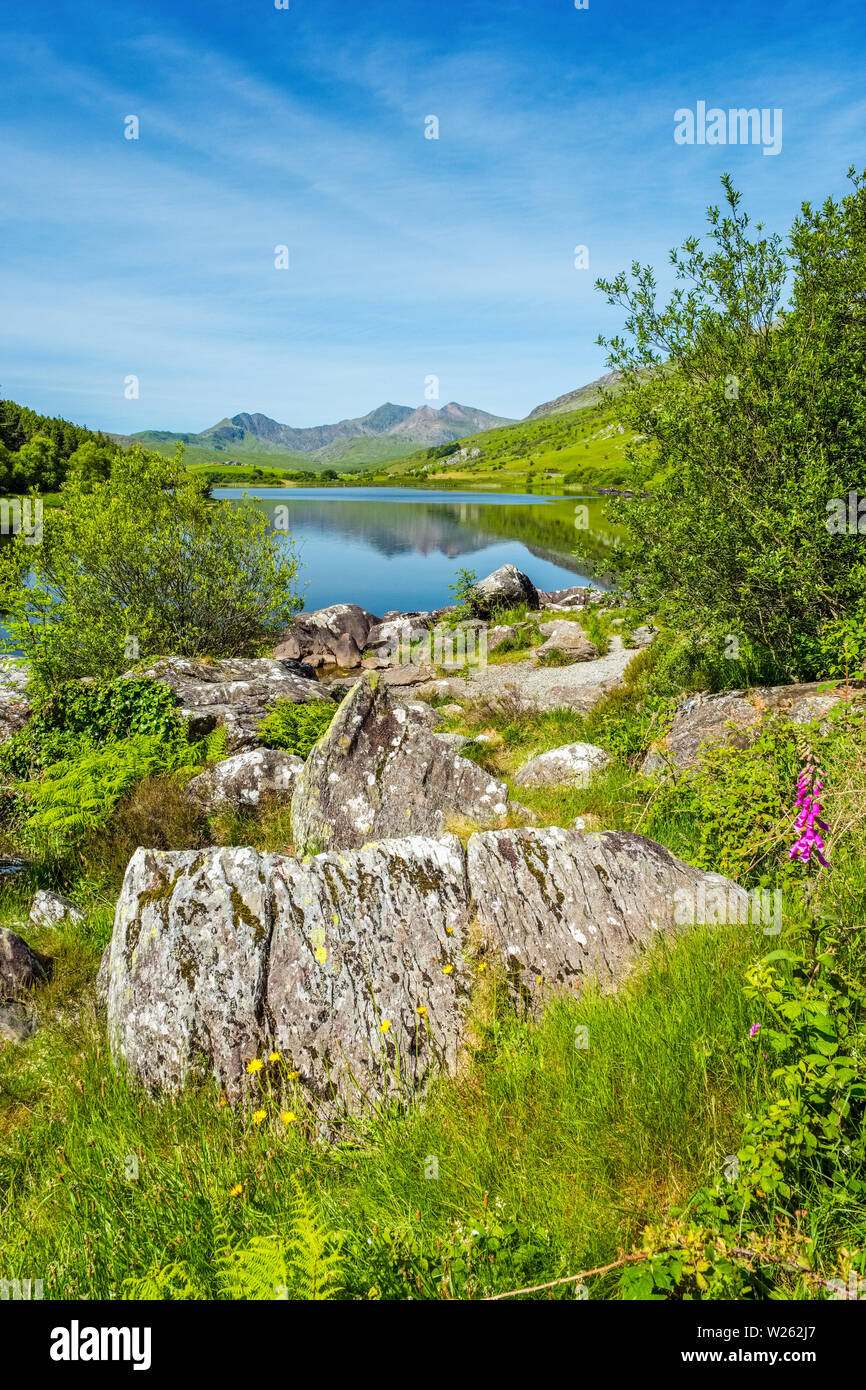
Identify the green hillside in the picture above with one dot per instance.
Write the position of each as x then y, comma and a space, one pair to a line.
585, 447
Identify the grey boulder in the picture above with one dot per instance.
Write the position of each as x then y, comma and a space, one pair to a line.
241, 780
568, 640
356, 965
573, 764
506, 587
48, 909
377, 774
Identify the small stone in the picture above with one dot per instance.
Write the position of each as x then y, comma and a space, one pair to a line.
50, 908
573, 765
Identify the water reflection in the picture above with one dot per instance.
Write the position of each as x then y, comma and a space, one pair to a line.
399, 548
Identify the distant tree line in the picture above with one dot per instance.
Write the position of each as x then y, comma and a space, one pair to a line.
38, 451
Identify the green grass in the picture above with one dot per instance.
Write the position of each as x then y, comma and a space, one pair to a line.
550, 1157
581, 1146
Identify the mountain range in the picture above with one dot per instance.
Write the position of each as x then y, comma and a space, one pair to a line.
386, 433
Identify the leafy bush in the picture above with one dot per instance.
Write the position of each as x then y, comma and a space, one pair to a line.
144, 554
754, 414
94, 711
77, 794
296, 728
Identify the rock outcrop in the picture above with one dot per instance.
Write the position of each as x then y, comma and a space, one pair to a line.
378, 774
356, 965
241, 780
504, 588
574, 764
235, 693
728, 717
561, 905
333, 636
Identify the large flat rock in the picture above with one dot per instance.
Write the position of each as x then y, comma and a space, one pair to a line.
356, 965
728, 718
561, 905
235, 693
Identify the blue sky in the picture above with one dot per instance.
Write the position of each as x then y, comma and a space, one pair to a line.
409, 257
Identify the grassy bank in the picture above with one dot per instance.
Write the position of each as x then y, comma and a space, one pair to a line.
551, 1152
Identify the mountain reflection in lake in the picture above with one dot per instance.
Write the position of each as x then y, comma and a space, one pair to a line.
394, 547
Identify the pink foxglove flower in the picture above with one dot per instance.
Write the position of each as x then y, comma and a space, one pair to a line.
809, 823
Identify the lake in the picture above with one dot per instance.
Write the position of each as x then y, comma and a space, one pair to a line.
392, 547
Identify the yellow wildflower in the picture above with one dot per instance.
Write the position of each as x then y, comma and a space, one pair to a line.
446, 969
386, 1024
287, 1117
421, 1009
237, 1190
255, 1065
258, 1116
274, 1057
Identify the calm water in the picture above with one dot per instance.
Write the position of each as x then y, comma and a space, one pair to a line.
394, 547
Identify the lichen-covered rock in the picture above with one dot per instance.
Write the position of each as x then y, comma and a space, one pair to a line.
20, 967
241, 780
727, 718
567, 640
331, 633
235, 693
187, 966
576, 596
561, 905
573, 764
367, 980
355, 965
375, 774
14, 705
506, 587
394, 634
48, 909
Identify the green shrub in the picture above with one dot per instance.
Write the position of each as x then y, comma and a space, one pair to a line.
89, 710
296, 728
77, 794
144, 554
